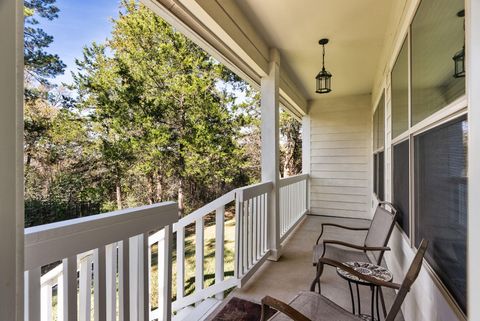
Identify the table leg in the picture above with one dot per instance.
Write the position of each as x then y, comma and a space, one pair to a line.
384, 309
378, 288
351, 296
372, 312
358, 300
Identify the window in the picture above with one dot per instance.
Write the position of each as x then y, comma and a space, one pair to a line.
378, 145
441, 202
378, 175
437, 34
379, 125
400, 92
401, 182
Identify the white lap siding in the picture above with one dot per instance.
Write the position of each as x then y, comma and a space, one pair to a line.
340, 156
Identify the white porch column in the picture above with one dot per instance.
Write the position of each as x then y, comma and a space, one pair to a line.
11, 160
270, 147
306, 147
472, 29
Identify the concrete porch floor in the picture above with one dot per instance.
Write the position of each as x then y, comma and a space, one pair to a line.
294, 271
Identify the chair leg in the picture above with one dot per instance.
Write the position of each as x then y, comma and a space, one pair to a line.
320, 267
384, 309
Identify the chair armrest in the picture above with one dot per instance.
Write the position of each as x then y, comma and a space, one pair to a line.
281, 307
340, 226
359, 275
355, 246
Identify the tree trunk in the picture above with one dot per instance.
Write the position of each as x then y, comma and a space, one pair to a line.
151, 184
181, 202
159, 189
118, 190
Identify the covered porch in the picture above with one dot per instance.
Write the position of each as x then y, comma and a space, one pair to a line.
274, 46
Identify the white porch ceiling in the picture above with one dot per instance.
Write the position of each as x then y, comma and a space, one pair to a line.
356, 29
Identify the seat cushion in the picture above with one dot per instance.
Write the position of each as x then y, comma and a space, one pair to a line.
317, 308
338, 253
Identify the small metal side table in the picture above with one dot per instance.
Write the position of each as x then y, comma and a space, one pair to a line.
372, 270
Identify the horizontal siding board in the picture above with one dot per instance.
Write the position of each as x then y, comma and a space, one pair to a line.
339, 190
337, 182
338, 136
331, 128
357, 199
340, 167
316, 151
339, 159
343, 144
342, 213
339, 205
335, 174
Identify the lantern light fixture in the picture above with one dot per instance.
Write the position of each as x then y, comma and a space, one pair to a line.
459, 57
323, 78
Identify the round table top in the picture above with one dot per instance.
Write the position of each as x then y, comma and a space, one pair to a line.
366, 268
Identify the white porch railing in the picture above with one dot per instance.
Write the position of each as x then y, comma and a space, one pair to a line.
293, 202
198, 218
88, 248
251, 229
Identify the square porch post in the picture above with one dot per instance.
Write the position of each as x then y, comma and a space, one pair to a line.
271, 148
11, 160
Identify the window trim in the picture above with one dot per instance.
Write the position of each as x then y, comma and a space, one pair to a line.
449, 112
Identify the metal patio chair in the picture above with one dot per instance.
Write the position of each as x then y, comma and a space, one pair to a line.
374, 245
312, 306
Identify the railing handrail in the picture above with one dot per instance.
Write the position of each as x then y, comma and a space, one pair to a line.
292, 179
53, 242
205, 209
247, 192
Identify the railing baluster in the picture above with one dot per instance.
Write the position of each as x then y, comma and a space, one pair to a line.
85, 284
238, 236
70, 288
180, 262
199, 254
111, 281
46, 302
164, 274
32, 295
245, 237
219, 247
99, 281
124, 280
60, 297
145, 278
253, 234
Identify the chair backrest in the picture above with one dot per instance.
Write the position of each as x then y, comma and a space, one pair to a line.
380, 229
410, 277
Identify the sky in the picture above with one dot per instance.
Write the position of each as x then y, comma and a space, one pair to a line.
79, 23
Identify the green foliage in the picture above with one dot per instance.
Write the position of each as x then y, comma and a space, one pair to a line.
155, 118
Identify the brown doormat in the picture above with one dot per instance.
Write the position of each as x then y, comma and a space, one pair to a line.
237, 309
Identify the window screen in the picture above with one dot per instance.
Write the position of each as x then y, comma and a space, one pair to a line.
381, 172
378, 175
441, 202
381, 122
401, 181
400, 92
437, 35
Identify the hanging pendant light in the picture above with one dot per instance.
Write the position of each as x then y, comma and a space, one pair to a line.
324, 78
459, 57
